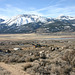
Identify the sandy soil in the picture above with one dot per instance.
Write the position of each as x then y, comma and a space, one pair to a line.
13, 69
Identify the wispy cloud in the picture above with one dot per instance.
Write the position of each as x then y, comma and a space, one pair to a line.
10, 11
50, 11
55, 10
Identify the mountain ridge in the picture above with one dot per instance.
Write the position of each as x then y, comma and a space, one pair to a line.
28, 23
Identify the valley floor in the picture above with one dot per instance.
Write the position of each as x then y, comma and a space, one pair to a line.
34, 36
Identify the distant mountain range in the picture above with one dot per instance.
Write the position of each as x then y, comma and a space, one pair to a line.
27, 23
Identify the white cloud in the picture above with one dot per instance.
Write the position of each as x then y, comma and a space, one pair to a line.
10, 11
49, 11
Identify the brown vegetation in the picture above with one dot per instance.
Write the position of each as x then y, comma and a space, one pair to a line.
54, 57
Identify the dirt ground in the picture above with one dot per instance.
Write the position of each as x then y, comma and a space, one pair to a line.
13, 69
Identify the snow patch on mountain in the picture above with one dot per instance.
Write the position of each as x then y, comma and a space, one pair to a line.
62, 17
25, 19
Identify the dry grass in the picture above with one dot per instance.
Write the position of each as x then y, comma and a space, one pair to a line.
29, 36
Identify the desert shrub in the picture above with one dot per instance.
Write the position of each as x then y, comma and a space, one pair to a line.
28, 59
26, 66
31, 58
11, 59
43, 56
73, 62
69, 56
39, 68
36, 54
21, 59
58, 70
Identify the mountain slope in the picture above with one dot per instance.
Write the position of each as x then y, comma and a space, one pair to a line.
62, 17
33, 23
25, 19
57, 26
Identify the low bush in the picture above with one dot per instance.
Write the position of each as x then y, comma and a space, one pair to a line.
26, 66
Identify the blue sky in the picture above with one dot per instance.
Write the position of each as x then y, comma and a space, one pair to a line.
46, 8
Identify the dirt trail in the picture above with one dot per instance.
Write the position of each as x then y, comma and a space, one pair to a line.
13, 69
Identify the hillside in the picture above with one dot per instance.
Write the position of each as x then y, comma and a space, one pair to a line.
37, 24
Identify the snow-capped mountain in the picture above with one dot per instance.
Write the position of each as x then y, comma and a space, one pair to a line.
62, 17
27, 23
25, 19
